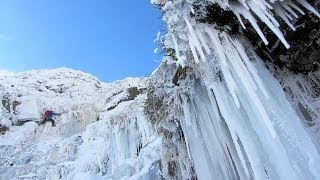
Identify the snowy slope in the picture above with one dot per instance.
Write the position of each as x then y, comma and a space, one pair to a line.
101, 133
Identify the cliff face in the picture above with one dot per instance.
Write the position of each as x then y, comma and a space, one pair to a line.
243, 88
101, 133
175, 124
231, 100
206, 134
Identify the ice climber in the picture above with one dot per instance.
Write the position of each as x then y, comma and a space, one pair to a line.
48, 117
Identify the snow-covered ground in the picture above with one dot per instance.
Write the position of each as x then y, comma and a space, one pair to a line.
102, 132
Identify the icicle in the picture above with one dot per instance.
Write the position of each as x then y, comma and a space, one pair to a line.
181, 60
250, 92
195, 39
261, 14
246, 14
224, 67
262, 5
272, 18
280, 12
240, 154
309, 7
251, 68
288, 8
240, 20
290, 3
267, 5
262, 112
287, 14
243, 2
236, 123
223, 5
193, 49
236, 62
202, 40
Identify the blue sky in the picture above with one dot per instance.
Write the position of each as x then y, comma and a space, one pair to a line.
110, 39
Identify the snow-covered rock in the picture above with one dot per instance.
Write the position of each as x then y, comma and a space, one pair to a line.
213, 94
102, 132
211, 110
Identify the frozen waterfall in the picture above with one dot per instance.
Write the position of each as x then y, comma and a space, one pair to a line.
236, 119
231, 142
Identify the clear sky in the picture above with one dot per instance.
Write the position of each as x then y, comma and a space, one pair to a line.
110, 39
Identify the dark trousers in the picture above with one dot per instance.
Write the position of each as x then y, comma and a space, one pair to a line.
46, 120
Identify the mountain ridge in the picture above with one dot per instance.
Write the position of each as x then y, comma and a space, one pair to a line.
87, 121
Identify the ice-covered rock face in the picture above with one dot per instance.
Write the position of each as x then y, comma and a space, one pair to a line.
48, 89
216, 95
272, 26
218, 111
101, 133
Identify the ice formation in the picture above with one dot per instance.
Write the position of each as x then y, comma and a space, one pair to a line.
91, 139
235, 116
213, 109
